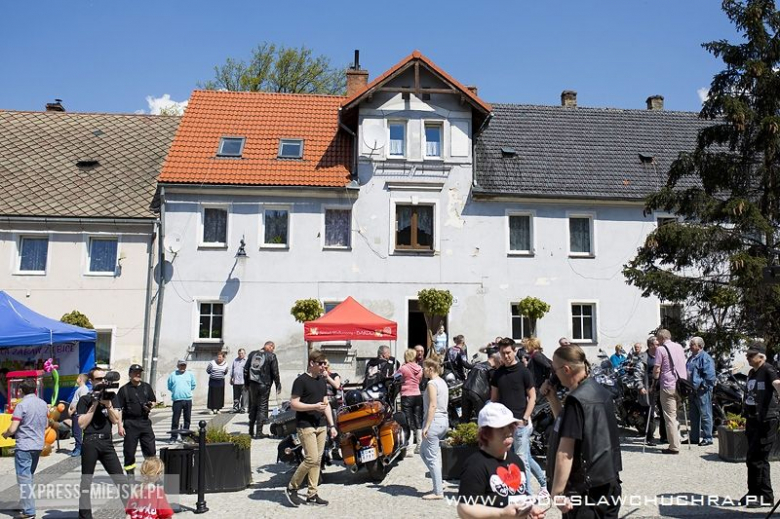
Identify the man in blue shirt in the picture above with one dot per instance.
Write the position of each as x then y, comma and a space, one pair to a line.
28, 426
181, 383
701, 373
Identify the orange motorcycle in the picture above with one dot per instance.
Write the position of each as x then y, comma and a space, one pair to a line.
373, 433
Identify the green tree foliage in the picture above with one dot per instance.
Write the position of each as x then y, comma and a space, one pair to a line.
727, 193
76, 318
435, 305
534, 309
306, 310
280, 69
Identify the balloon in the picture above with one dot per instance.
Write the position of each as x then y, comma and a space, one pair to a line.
46, 450
54, 414
50, 436
60, 407
55, 375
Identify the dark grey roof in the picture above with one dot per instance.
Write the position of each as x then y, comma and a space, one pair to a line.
120, 156
581, 152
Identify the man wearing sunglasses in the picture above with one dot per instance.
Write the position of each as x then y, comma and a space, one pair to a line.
312, 409
95, 419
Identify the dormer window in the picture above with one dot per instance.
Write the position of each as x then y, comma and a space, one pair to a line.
290, 148
231, 146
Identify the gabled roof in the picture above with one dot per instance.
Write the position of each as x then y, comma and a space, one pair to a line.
404, 64
562, 152
262, 118
120, 154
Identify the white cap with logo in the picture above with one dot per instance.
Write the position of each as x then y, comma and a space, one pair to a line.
496, 416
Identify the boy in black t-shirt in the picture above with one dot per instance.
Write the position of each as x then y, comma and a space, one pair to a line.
312, 411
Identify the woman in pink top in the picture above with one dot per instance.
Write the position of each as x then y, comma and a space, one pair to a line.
411, 398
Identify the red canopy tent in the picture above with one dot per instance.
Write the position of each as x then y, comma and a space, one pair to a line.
350, 321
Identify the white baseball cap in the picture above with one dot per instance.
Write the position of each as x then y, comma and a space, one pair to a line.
496, 416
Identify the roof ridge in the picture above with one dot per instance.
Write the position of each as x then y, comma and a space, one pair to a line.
245, 92
58, 114
596, 108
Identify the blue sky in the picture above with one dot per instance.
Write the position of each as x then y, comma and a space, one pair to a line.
110, 56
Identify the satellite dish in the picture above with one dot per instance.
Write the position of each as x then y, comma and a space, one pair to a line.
172, 243
374, 137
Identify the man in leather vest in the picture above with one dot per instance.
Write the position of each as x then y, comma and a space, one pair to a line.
260, 371
476, 388
584, 459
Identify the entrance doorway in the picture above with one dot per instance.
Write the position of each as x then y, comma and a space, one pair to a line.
416, 330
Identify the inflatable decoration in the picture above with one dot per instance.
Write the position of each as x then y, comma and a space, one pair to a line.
50, 436
50, 367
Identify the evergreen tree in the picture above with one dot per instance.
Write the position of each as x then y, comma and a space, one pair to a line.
727, 195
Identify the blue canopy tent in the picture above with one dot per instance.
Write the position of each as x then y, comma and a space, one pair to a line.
21, 328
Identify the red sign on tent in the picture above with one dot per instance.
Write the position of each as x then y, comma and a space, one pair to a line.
350, 321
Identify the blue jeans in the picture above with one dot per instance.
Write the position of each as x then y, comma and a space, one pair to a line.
522, 447
701, 416
430, 451
26, 462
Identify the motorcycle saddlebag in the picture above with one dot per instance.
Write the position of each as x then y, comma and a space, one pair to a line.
388, 436
284, 424
348, 450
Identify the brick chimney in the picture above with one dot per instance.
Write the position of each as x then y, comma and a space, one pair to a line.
655, 103
569, 98
56, 106
357, 79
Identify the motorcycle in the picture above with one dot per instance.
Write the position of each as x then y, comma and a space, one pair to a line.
372, 431
290, 449
455, 402
624, 385
727, 396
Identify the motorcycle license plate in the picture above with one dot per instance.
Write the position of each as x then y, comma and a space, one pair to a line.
366, 455
458, 411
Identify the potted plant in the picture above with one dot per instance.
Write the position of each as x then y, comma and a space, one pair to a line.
435, 305
307, 310
459, 446
732, 440
228, 467
534, 309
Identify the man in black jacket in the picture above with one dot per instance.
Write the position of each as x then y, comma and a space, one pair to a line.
260, 372
379, 368
476, 388
455, 359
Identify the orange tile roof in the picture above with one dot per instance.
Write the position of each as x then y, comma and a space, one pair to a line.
417, 55
263, 118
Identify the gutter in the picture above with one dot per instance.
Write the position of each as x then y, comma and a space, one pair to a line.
354, 173
80, 220
160, 292
474, 149
148, 299
487, 194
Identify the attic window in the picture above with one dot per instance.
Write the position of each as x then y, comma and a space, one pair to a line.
231, 146
646, 158
290, 148
508, 152
87, 163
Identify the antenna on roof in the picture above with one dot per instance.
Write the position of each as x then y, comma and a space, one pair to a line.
356, 65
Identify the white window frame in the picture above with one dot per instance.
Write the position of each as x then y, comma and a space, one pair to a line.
442, 148
531, 217
240, 153
414, 201
405, 125
88, 254
202, 226
112, 347
522, 326
17, 270
196, 319
665, 215
595, 304
261, 238
325, 209
290, 140
591, 216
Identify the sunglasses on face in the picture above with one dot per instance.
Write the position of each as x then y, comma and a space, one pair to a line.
322, 363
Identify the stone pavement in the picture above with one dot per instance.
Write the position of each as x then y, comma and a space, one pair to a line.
657, 485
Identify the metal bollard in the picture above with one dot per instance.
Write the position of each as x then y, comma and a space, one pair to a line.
200, 506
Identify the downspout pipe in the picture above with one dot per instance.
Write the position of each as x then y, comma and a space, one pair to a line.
148, 298
354, 173
474, 149
160, 292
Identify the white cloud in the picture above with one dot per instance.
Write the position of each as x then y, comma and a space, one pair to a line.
156, 104
703, 92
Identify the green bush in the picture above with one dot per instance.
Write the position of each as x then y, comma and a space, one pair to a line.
534, 309
76, 318
306, 310
220, 435
463, 434
434, 302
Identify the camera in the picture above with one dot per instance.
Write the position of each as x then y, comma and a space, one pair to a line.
102, 390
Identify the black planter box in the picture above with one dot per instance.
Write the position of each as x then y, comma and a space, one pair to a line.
733, 445
453, 459
228, 468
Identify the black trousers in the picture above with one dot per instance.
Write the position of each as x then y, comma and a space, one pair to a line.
258, 405
761, 435
604, 503
472, 405
238, 397
412, 407
137, 430
94, 449
181, 407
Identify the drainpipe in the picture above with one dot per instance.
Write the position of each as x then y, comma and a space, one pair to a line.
474, 149
160, 292
344, 127
148, 300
